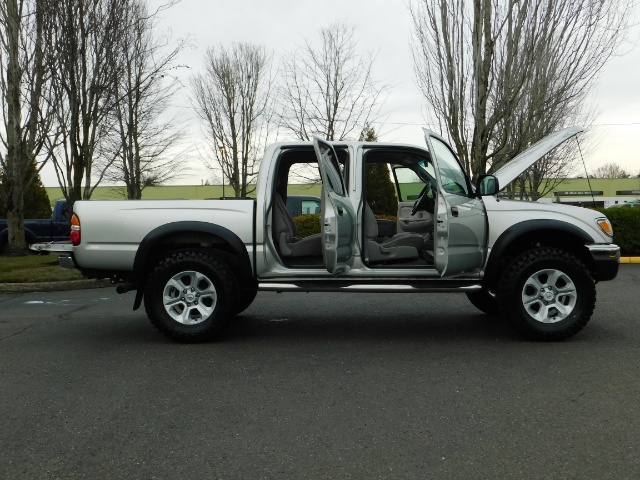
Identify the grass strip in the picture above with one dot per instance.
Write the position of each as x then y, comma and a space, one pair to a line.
35, 268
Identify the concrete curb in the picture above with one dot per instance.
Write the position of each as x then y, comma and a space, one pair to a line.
52, 286
629, 259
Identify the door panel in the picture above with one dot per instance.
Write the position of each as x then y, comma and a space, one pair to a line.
421, 222
339, 219
410, 186
466, 237
461, 220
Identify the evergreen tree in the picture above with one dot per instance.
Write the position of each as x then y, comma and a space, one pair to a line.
368, 134
36, 200
379, 189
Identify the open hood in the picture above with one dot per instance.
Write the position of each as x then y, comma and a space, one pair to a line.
524, 160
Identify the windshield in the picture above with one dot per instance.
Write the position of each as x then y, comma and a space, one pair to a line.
412, 179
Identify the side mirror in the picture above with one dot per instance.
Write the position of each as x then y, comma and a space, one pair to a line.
487, 185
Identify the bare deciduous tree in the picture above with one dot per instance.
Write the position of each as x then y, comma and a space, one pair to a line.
610, 170
329, 87
232, 99
84, 37
26, 107
543, 177
145, 136
501, 74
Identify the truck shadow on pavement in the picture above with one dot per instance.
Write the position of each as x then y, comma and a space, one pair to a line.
400, 329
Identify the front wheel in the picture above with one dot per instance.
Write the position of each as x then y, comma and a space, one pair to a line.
547, 294
190, 296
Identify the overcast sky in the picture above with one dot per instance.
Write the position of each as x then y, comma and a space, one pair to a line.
384, 26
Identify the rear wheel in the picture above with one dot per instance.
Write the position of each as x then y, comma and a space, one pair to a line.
190, 296
547, 294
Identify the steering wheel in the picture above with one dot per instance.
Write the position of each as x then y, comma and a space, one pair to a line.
424, 202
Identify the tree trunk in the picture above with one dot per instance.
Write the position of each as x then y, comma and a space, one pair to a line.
15, 170
16, 245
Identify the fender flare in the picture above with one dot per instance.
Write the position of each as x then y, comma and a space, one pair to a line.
515, 232
4, 235
142, 266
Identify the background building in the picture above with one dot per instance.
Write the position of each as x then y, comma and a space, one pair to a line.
598, 192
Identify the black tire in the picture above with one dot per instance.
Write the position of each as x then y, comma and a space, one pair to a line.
485, 302
547, 294
204, 306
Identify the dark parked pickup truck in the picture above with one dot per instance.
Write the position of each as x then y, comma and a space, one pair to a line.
53, 229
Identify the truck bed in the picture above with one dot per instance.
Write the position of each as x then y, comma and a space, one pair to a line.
113, 230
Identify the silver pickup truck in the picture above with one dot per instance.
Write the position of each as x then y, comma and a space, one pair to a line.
197, 263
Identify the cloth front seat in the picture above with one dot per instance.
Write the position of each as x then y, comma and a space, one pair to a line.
284, 232
403, 246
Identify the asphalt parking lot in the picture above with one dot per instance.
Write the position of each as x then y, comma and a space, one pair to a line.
317, 386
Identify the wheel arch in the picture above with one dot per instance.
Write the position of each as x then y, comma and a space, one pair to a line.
158, 243
29, 237
531, 233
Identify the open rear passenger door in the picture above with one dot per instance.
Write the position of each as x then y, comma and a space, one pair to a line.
338, 219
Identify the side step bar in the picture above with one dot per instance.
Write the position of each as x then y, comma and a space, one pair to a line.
439, 286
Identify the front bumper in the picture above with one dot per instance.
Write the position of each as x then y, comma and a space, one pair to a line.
606, 259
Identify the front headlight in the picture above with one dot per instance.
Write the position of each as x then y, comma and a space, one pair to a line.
605, 226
